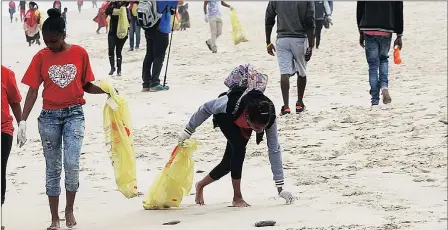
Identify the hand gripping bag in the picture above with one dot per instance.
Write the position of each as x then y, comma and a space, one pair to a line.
175, 180
119, 140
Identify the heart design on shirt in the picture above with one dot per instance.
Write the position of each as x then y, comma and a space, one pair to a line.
62, 75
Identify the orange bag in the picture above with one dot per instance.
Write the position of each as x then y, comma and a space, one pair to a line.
397, 58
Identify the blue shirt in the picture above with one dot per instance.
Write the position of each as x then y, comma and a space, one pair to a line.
165, 20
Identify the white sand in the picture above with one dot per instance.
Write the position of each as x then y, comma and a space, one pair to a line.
351, 166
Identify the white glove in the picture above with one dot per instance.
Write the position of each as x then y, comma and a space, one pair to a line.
21, 135
330, 21
206, 18
287, 196
184, 135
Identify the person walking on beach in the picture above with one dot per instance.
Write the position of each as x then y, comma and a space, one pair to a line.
80, 3
57, 5
116, 43
212, 11
64, 16
31, 24
237, 121
134, 27
10, 98
376, 23
294, 45
12, 9
65, 71
94, 4
101, 17
22, 8
322, 13
157, 40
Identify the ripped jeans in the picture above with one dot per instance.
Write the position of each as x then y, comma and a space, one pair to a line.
62, 131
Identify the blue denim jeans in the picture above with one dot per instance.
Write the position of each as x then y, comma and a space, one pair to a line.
134, 28
377, 54
62, 131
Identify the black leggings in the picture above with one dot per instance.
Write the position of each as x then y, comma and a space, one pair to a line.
319, 25
233, 158
6, 150
115, 44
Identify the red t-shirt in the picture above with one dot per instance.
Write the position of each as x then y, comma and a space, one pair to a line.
10, 94
63, 74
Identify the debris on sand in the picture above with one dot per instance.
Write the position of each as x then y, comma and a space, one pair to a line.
265, 223
174, 222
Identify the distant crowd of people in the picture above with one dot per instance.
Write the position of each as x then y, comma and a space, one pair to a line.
65, 73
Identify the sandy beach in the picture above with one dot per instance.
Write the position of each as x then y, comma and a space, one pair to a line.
350, 165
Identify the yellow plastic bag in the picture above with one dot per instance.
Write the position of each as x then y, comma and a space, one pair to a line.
123, 23
119, 140
175, 180
176, 23
239, 35
42, 18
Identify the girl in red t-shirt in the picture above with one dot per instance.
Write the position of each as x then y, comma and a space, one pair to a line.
31, 24
10, 98
66, 74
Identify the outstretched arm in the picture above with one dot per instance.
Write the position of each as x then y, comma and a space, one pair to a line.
275, 156
225, 4
91, 88
214, 106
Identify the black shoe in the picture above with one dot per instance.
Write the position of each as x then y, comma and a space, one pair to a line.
300, 108
284, 111
119, 66
208, 45
112, 70
112, 65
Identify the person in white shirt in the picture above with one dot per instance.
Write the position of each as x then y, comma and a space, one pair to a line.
212, 13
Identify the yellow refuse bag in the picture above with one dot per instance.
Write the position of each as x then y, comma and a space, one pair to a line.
175, 180
239, 35
119, 140
123, 23
176, 25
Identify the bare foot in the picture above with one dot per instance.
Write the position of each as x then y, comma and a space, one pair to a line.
199, 194
70, 221
3, 227
54, 225
239, 202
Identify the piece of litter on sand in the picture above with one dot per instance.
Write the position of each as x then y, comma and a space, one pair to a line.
200, 171
174, 222
265, 223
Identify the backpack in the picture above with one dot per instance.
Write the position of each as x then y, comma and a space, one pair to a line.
147, 15
247, 78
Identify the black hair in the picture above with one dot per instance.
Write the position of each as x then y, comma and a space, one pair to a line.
54, 22
260, 110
